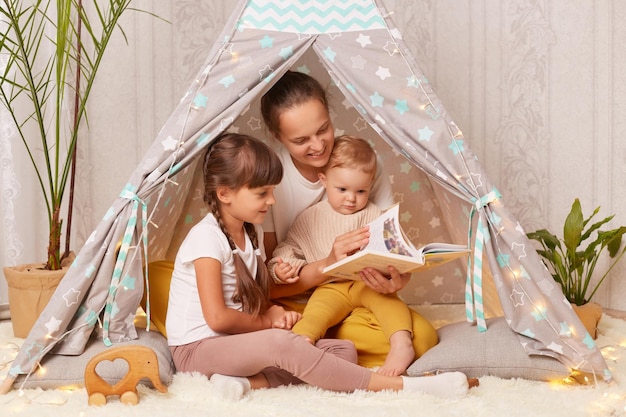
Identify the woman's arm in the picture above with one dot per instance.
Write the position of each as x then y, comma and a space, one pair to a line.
383, 284
287, 290
270, 243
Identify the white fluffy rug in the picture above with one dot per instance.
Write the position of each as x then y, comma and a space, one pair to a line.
193, 395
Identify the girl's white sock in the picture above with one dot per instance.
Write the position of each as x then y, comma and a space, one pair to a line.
231, 387
451, 385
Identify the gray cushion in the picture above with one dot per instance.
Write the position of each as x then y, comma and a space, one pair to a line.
496, 352
63, 370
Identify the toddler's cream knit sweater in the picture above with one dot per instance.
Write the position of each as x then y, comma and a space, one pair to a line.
313, 233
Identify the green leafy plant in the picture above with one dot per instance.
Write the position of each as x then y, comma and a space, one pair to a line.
53, 50
571, 264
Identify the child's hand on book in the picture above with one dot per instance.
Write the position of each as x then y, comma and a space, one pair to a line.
347, 244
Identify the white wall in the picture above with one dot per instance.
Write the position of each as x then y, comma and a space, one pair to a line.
537, 88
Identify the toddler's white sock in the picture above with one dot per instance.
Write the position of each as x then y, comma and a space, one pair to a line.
447, 385
231, 387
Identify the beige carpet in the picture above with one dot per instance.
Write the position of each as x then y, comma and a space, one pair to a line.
193, 395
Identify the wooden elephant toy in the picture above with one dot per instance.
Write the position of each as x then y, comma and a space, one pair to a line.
142, 363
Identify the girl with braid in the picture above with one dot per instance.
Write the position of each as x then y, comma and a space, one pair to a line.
220, 321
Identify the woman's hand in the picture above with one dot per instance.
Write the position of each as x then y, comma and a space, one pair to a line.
280, 318
384, 284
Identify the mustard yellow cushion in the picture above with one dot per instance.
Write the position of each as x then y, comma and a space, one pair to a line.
159, 277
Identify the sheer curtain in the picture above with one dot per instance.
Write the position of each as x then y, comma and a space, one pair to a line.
11, 246
22, 227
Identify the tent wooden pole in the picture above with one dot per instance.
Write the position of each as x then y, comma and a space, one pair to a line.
6, 385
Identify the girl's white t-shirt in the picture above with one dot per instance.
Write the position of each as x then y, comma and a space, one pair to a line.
295, 193
185, 322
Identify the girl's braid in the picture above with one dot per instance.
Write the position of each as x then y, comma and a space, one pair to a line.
245, 284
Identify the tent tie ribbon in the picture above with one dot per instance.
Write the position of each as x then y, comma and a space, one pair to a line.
122, 256
474, 308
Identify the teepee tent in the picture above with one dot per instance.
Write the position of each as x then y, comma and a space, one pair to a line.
365, 59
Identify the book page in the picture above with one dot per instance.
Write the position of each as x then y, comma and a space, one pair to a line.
389, 246
386, 235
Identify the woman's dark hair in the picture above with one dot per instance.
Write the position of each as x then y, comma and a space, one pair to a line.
236, 161
290, 90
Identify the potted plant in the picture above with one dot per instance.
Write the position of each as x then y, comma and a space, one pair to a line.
572, 260
53, 50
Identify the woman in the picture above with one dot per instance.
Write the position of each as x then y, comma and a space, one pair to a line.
296, 113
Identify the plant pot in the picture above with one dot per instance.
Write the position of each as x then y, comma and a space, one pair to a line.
590, 314
30, 289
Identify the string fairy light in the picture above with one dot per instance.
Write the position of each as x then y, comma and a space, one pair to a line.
42, 370
9, 352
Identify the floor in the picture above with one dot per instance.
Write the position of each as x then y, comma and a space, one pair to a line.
615, 313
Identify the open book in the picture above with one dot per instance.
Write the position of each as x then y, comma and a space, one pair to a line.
389, 246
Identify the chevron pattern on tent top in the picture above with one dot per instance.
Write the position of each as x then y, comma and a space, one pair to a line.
312, 16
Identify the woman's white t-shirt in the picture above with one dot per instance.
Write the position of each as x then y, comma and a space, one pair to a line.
185, 322
295, 193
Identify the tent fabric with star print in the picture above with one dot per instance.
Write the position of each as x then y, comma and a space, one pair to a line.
357, 48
